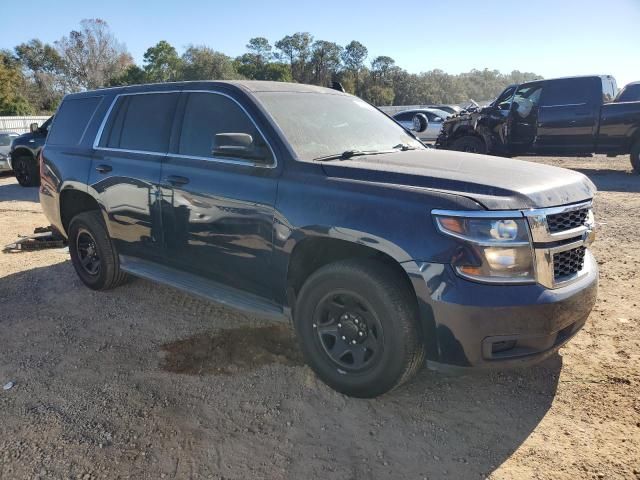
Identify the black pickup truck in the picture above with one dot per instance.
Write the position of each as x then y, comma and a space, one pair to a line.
295, 202
562, 116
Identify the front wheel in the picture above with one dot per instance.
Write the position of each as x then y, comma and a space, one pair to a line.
635, 157
469, 144
358, 328
26, 171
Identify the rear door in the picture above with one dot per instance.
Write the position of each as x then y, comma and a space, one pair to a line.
218, 210
568, 116
126, 167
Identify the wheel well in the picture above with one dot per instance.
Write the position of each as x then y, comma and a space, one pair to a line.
73, 202
22, 152
467, 132
313, 253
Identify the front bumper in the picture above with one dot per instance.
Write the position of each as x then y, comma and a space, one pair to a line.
468, 324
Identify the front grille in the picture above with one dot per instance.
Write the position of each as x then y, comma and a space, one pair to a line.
568, 262
560, 222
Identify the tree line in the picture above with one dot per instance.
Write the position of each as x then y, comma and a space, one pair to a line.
34, 76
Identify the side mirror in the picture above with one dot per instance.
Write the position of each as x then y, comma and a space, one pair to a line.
420, 123
238, 145
33, 128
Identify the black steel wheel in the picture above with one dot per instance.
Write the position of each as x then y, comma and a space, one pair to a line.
357, 324
93, 254
349, 331
88, 252
26, 171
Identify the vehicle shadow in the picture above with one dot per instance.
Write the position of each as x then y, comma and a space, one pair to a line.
78, 343
611, 180
10, 189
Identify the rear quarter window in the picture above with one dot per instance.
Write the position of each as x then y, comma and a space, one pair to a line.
72, 119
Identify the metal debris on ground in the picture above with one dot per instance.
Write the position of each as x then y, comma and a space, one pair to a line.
8, 386
43, 237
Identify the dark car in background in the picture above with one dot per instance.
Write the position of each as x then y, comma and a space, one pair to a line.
25, 149
562, 116
300, 203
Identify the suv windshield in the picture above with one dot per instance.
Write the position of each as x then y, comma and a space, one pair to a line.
318, 125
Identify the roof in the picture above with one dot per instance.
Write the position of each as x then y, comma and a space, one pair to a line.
565, 78
250, 86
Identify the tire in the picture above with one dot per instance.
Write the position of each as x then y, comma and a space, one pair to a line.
634, 156
469, 144
92, 252
382, 350
26, 171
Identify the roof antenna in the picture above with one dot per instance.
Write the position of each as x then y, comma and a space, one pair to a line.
337, 86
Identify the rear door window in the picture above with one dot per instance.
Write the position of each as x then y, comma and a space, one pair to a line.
141, 122
209, 114
574, 91
72, 119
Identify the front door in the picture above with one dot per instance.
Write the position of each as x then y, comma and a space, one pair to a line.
218, 207
523, 119
126, 166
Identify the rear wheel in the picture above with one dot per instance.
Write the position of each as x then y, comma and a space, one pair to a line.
26, 170
93, 254
469, 144
357, 324
635, 157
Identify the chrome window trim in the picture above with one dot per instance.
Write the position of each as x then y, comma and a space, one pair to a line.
242, 162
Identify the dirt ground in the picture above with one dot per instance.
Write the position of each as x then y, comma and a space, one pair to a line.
145, 382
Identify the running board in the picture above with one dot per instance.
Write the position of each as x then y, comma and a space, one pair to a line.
203, 288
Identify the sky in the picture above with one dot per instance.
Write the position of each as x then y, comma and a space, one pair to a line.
549, 37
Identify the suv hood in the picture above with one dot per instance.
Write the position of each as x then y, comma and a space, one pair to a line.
496, 183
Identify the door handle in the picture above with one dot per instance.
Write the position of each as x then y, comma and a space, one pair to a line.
102, 168
176, 180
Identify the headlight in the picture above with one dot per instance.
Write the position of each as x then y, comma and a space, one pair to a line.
499, 249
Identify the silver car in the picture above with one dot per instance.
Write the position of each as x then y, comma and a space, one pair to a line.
5, 145
435, 117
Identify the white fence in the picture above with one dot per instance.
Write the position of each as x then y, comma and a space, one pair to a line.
19, 124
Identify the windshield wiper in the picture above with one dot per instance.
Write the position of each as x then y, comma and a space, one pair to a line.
403, 147
346, 155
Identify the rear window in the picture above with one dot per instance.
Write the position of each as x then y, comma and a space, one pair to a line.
141, 122
72, 119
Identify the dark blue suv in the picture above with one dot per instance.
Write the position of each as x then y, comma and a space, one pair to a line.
297, 202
